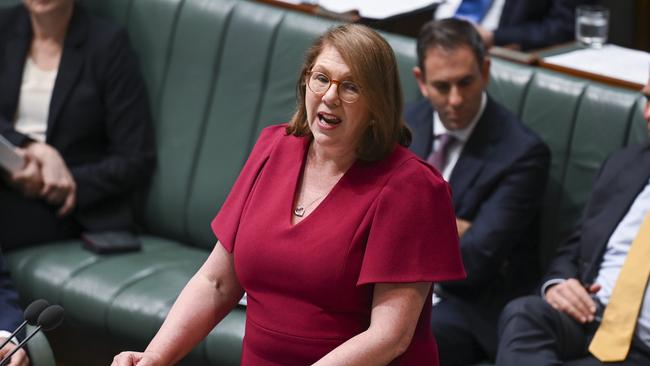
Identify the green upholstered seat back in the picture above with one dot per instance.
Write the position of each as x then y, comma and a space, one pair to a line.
196, 53
242, 80
638, 131
115, 10
509, 83
581, 121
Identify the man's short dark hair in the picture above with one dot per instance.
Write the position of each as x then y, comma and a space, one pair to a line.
449, 34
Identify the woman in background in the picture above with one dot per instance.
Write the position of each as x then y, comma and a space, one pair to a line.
74, 102
333, 228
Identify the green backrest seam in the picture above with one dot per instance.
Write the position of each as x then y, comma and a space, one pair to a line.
170, 42
520, 108
265, 82
204, 125
559, 200
128, 13
630, 121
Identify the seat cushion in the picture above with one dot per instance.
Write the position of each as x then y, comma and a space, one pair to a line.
120, 295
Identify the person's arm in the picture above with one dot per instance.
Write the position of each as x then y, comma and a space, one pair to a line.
504, 217
573, 299
130, 157
19, 358
554, 27
395, 312
10, 316
206, 299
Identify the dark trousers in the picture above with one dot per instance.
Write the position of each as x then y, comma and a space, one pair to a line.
532, 333
26, 221
464, 337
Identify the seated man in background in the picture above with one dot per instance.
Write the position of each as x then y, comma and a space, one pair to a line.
521, 24
10, 317
74, 102
603, 266
497, 169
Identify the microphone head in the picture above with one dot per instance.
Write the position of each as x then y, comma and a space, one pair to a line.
51, 317
35, 309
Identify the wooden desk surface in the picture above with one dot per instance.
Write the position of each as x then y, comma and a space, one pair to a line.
573, 46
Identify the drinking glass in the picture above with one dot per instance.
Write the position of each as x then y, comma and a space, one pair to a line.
592, 24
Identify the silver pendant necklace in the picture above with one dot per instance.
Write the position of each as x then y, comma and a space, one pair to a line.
300, 209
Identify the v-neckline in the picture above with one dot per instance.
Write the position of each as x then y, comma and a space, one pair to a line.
297, 176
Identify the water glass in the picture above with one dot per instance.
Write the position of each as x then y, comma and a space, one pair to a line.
592, 25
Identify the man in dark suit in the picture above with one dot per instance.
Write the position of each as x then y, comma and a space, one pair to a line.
522, 24
90, 146
497, 170
10, 317
558, 327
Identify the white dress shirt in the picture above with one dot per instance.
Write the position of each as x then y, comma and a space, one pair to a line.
461, 137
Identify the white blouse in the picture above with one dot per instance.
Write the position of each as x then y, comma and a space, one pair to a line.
34, 101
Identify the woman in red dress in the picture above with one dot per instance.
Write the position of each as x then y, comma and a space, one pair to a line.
333, 229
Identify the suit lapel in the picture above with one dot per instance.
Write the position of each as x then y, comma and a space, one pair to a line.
472, 160
631, 178
15, 54
70, 67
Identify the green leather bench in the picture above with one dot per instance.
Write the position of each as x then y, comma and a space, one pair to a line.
217, 72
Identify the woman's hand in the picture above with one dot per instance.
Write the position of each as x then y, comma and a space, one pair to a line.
28, 180
136, 358
59, 187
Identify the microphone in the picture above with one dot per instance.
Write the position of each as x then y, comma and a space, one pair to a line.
49, 319
31, 314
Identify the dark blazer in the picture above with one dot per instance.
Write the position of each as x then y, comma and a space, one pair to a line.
10, 313
620, 180
497, 184
538, 23
99, 118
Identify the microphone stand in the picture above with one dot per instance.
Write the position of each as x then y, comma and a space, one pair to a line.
6, 360
13, 334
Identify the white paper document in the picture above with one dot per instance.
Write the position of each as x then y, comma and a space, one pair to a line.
9, 159
611, 60
376, 9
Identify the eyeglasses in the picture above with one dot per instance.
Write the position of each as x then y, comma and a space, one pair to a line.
320, 83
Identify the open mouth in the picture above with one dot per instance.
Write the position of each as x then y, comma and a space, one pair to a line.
330, 119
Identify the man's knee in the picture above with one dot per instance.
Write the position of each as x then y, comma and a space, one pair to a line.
529, 309
524, 306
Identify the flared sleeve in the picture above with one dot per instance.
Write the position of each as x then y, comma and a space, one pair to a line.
413, 236
226, 224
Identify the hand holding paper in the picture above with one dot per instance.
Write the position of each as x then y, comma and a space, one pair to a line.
10, 160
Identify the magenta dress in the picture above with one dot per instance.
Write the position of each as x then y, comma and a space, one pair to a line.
310, 285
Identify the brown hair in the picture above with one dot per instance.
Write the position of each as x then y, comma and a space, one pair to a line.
449, 34
372, 63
